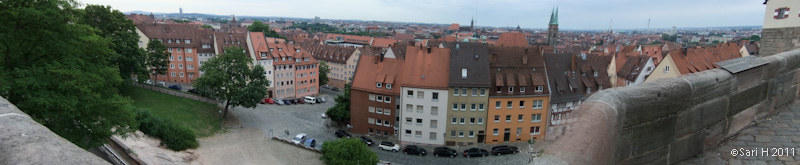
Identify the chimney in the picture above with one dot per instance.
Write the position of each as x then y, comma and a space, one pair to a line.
382, 54
525, 59
429, 50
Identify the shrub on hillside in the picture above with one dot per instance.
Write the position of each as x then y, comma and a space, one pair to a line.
175, 136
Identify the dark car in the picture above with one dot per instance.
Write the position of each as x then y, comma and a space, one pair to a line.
366, 140
287, 102
194, 91
415, 150
502, 150
300, 101
444, 152
175, 87
475, 152
335, 89
341, 133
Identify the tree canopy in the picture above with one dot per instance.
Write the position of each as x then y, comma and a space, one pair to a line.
323, 72
229, 79
62, 72
113, 25
257, 26
341, 111
347, 151
157, 58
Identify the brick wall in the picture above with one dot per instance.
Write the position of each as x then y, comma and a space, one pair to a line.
673, 119
776, 40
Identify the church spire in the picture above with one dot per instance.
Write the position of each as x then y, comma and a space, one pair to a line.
554, 16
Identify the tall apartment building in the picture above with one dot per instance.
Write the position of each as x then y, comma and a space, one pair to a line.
283, 63
424, 95
520, 97
375, 94
468, 90
257, 43
306, 73
184, 42
342, 61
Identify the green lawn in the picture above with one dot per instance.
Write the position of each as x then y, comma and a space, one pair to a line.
198, 116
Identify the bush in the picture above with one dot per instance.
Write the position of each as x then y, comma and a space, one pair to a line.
347, 151
175, 136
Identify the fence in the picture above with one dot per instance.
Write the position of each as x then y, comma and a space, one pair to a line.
175, 93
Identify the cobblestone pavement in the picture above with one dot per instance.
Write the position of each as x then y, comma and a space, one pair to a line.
773, 141
306, 119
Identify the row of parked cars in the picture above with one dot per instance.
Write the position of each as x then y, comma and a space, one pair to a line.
438, 151
304, 100
326, 86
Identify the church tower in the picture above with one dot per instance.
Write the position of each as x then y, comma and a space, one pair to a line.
552, 28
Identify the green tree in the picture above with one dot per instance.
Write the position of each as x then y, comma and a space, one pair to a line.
157, 58
341, 111
257, 26
128, 57
755, 38
61, 72
206, 26
347, 151
229, 79
323, 72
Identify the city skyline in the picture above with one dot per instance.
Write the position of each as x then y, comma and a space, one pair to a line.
503, 13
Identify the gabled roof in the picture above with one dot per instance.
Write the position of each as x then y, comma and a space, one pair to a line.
694, 60
330, 53
517, 66
633, 67
512, 39
471, 56
426, 67
570, 75
371, 68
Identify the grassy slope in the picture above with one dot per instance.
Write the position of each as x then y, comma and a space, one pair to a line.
200, 117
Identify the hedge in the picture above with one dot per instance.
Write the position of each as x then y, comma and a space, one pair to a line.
176, 137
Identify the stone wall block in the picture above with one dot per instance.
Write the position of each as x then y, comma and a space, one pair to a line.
781, 82
686, 146
792, 59
701, 116
649, 101
741, 120
655, 156
746, 98
785, 97
652, 135
716, 133
709, 84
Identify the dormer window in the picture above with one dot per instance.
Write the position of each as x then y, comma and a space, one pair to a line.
297, 50
187, 41
510, 89
270, 49
464, 73
178, 41
388, 86
595, 73
379, 85
588, 90
521, 89
280, 49
263, 54
539, 88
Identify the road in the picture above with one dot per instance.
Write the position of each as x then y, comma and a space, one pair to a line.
306, 118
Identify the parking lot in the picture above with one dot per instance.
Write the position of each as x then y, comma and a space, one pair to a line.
305, 118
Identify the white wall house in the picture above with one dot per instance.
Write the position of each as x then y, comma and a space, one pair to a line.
423, 116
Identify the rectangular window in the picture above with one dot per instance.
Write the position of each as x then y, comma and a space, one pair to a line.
521, 104
179, 49
371, 109
408, 120
418, 133
534, 130
434, 123
495, 132
434, 110
432, 136
408, 132
371, 121
180, 66
497, 104
460, 133
371, 97
191, 74
188, 50
379, 110
519, 118
537, 104
380, 98
409, 107
519, 131
521, 89
419, 109
410, 93
499, 89
181, 74
509, 104
189, 66
464, 91
483, 91
170, 56
480, 120
481, 107
387, 112
435, 96
386, 123
452, 133
420, 94
378, 122
539, 88
462, 121
172, 66
471, 133
463, 107
474, 91
472, 107
454, 121
508, 118
496, 118
188, 41
781, 13
455, 107
386, 99
666, 69
173, 74
472, 120
455, 91
536, 118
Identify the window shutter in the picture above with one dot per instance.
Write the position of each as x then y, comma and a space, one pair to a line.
775, 15
786, 13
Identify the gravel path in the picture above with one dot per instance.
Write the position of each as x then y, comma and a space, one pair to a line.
250, 146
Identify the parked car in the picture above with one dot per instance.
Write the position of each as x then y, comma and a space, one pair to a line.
389, 146
502, 150
194, 91
366, 140
279, 102
414, 150
321, 100
326, 86
444, 152
341, 133
324, 116
267, 101
149, 82
475, 152
309, 99
310, 143
162, 84
287, 102
299, 138
175, 87
335, 89
300, 101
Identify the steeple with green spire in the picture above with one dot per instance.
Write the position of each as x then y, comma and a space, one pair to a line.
554, 17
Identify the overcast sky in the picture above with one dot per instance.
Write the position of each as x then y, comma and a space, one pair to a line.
573, 14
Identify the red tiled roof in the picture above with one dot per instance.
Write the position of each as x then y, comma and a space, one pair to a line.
512, 39
371, 67
426, 67
383, 42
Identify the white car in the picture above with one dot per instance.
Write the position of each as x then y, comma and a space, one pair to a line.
324, 116
299, 138
389, 146
309, 100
